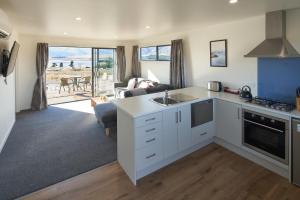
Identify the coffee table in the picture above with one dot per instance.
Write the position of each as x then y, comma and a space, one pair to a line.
98, 100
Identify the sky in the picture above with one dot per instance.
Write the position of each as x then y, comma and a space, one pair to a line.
82, 57
74, 52
69, 52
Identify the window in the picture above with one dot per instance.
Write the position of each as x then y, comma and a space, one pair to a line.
156, 53
164, 52
148, 53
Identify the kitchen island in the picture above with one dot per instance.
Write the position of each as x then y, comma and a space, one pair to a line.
151, 136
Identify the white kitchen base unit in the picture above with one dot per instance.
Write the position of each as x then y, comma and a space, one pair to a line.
151, 136
171, 159
150, 142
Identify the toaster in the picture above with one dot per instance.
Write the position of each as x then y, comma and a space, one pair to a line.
215, 86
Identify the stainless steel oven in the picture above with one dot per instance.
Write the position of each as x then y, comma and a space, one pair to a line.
266, 134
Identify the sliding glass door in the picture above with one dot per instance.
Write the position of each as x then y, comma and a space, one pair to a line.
103, 62
77, 73
69, 74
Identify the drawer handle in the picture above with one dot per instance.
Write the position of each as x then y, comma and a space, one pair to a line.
202, 134
150, 156
151, 140
149, 130
151, 119
179, 116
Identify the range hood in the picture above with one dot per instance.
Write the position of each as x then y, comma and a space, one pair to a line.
275, 45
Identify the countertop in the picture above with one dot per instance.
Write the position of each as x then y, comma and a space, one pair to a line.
142, 105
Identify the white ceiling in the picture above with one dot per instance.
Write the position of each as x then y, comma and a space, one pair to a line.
126, 19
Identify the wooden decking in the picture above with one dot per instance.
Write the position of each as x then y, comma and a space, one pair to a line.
210, 173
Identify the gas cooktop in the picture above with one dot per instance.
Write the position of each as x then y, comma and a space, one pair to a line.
277, 105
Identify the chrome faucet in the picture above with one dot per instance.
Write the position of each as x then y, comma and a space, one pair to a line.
166, 96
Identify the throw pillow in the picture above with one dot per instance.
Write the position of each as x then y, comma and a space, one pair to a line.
131, 84
146, 84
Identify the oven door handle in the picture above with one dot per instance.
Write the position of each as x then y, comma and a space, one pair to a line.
268, 127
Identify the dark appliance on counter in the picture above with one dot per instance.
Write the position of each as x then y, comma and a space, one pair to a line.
215, 86
296, 151
266, 134
246, 92
267, 103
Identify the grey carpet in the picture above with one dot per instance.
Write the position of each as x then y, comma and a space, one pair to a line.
50, 146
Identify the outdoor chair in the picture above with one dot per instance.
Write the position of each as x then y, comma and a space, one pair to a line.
65, 82
85, 82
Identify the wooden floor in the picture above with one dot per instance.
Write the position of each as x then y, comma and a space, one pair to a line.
210, 173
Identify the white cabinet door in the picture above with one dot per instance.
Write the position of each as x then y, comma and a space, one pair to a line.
229, 122
169, 134
184, 127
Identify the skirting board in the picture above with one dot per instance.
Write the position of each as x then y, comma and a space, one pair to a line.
282, 171
6, 136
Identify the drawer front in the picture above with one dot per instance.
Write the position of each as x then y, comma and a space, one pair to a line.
148, 156
148, 119
202, 133
148, 135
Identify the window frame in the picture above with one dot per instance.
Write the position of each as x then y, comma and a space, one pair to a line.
157, 49
156, 56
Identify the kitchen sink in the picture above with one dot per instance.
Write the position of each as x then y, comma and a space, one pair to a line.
165, 101
181, 97
173, 99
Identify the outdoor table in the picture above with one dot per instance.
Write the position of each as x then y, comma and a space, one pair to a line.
75, 80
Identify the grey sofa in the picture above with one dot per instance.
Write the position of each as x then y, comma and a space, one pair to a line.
106, 113
157, 88
121, 90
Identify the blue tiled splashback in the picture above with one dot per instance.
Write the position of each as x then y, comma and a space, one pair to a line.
278, 78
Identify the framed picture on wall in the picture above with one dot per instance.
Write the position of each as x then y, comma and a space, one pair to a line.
218, 53
164, 52
148, 53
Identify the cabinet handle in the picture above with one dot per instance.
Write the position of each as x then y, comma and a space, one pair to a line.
238, 113
176, 116
151, 140
151, 119
149, 130
202, 134
179, 116
150, 156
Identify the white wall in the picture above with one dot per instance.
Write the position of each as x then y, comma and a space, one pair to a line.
242, 37
26, 73
240, 70
293, 28
8, 94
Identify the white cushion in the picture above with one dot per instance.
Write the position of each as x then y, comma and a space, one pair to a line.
131, 84
140, 79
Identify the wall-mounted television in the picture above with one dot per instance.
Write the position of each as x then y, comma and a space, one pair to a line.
9, 60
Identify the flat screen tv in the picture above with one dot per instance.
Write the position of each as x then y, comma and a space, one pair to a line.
10, 61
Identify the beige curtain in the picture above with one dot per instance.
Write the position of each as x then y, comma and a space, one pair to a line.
39, 98
177, 79
136, 66
121, 63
